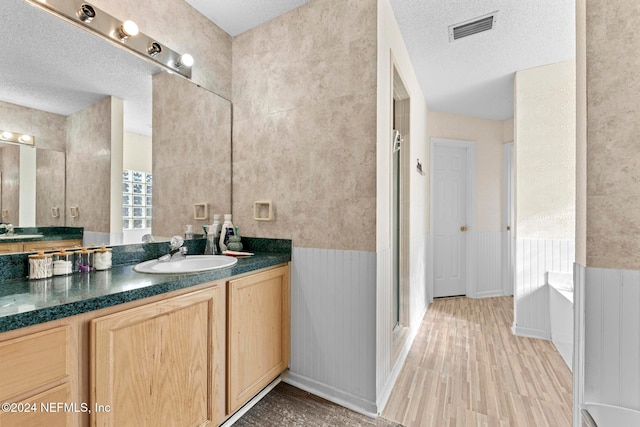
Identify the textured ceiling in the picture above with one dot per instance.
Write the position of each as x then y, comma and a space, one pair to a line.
57, 67
238, 16
474, 76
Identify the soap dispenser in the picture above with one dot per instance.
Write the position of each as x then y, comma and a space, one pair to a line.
188, 235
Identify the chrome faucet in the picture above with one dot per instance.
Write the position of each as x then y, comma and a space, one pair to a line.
176, 252
8, 227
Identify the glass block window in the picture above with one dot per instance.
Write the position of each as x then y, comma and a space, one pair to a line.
136, 199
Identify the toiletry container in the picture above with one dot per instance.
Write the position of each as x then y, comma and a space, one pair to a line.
226, 232
235, 241
40, 266
62, 263
83, 260
102, 258
188, 235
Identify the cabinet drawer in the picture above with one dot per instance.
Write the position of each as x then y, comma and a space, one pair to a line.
32, 361
44, 409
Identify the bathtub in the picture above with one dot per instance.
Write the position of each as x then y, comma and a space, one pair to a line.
609, 416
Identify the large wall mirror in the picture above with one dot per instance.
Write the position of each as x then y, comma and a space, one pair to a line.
122, 147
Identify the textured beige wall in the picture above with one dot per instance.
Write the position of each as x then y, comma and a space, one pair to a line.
304, 92
191, 154
182, 28
545, 146
88, 152
489, 137
137, 152
50, 187
49, 130
613, 158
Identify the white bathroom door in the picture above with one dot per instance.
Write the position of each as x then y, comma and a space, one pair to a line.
450, 222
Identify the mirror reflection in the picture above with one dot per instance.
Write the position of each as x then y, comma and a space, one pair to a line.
90, 105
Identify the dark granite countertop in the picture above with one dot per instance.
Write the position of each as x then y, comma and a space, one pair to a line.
25, 302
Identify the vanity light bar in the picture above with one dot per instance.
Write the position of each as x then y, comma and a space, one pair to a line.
125, 33
17, 138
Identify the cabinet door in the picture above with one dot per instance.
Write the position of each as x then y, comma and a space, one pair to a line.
258, 333
52, 408
161, 364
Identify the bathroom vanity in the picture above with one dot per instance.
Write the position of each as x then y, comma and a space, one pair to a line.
117, 348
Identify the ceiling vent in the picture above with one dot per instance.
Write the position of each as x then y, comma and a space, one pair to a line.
472, 26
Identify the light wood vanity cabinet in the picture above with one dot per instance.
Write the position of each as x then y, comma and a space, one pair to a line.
38, 371
51, 245
41, 245
161, 363
258, 333
187, 358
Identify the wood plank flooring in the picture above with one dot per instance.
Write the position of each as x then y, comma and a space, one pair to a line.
466, 368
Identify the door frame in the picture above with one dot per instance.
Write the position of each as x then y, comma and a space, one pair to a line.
471, 189
508, 212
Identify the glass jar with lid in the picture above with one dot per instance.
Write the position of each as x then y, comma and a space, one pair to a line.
62, 263
40, 266
102, 258
83, 260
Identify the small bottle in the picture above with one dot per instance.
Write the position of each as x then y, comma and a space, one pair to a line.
209, 248
188, 235
226, 232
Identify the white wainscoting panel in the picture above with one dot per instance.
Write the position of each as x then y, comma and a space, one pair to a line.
489, 264
533, 259
383, 320
579, 277
612, 337
333, 326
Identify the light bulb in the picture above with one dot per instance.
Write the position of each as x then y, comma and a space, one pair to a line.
186, 60
128, 29
25, 139
6, 135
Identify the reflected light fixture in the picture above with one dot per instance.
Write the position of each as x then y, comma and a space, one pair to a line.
127, 29
17, 138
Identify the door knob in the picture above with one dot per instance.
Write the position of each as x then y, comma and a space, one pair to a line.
508, 228
463, 228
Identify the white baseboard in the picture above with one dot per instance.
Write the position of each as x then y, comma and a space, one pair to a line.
334, 395
489, 294
531, 333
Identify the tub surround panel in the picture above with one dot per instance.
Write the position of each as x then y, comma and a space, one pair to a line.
612, 337
531, 297
191, 154
179, 26
304, 125
333, 325
545, 151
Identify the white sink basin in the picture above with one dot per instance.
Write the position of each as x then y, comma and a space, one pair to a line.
19, 236
191, 264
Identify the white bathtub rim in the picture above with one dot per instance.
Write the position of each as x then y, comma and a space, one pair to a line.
612, 416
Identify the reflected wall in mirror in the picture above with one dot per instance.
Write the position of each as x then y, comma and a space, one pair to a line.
90, 100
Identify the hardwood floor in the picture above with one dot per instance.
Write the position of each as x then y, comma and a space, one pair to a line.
466, 368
